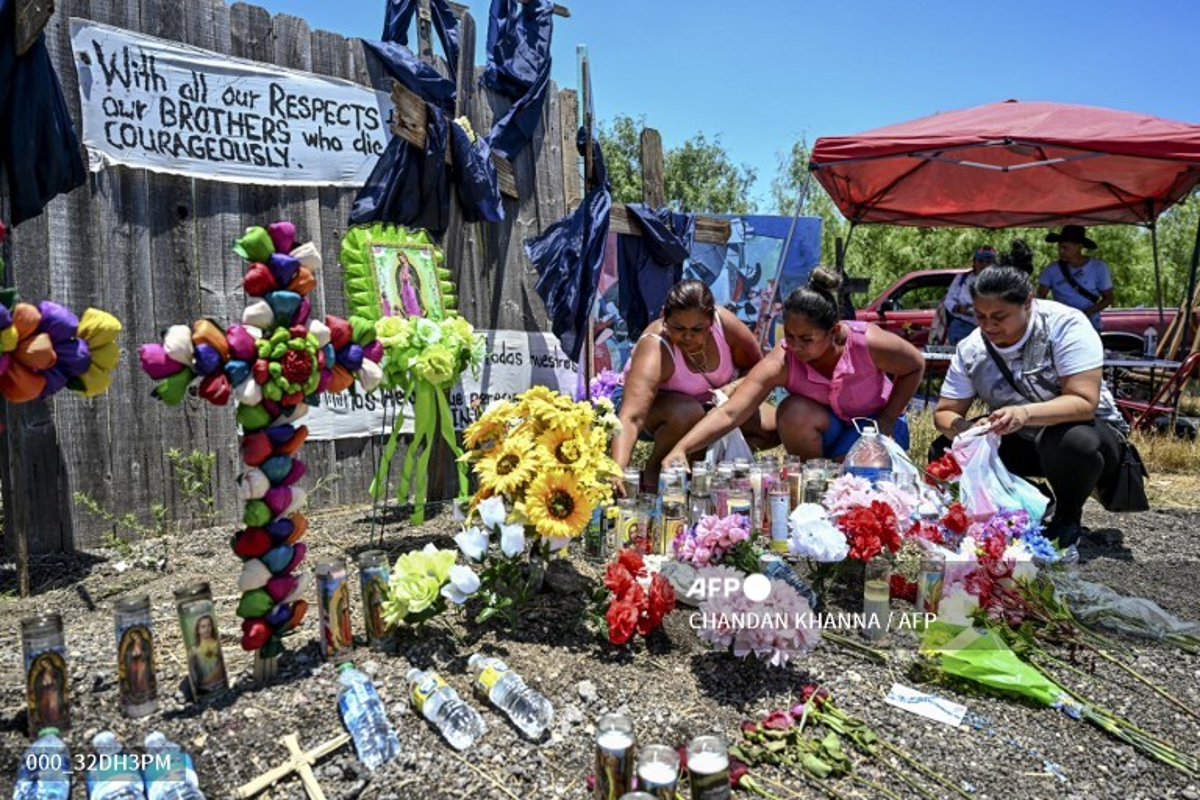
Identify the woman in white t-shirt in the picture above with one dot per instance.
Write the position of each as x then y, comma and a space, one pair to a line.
1037, 365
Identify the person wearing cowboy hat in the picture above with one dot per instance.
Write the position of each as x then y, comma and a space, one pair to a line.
1077, 280
960, 312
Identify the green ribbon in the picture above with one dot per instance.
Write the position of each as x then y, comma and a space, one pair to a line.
424, 424
379, 483
447, 425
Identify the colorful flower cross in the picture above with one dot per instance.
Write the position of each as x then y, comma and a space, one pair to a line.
270, 363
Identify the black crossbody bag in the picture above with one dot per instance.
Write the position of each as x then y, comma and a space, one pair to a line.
1126, 489
1088, 294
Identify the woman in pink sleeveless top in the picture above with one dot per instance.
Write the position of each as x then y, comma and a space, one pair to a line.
833, 371
693, 350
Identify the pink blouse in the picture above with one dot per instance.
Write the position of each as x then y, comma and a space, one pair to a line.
700, 385
858, 388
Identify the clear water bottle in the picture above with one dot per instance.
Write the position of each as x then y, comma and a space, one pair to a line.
441, 705
868, 458
45, 770
364, 716
116, 773
169, 771
775, 568
528, 709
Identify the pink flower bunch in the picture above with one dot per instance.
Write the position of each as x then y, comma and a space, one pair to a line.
707, 542
849, 492
775, 629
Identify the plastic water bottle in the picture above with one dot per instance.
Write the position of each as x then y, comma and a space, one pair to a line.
441, 705
45, 770
1150, 337
869, 456
776, 568
528, 709
117, 773
365, 718
169, 773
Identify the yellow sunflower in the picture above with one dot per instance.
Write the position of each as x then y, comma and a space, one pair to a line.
508, 467
557, 506
486, 432
565, 444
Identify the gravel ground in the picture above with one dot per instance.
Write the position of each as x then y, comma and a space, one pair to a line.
672, 685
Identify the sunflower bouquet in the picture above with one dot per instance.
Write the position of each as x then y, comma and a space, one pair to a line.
543, 467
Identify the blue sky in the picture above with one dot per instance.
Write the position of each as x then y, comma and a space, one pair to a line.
763, 73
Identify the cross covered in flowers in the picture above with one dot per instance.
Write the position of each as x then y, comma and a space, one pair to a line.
269, 363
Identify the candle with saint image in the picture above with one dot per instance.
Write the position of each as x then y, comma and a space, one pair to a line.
658, 771
708, 768
614, 756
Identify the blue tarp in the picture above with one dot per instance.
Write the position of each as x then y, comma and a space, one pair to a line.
518, 46
38, 145
650, 264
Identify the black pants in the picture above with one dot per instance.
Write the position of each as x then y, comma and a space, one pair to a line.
1074, 457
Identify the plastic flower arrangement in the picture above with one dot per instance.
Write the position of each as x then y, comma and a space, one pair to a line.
639, 600
424, 358
547, 457
423, 582
603, 386
775, 629
715, 539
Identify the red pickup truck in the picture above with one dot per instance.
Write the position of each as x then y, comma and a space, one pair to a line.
908, 308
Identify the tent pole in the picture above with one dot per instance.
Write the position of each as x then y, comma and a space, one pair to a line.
1157, 272
1191, 290
763, 323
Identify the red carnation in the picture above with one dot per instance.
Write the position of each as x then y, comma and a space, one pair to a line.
737, 771
956, 518
660, 600
297, 366
945, 468
817, 694
631, 560
634, 593
622, 619
617, 579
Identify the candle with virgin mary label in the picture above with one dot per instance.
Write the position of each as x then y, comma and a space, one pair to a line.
333, 599
373, 576
135, 656
46, 682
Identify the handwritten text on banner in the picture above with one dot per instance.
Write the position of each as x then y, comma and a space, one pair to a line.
168, 107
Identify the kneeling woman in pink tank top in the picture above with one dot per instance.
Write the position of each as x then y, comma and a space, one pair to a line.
834, 371
677, 364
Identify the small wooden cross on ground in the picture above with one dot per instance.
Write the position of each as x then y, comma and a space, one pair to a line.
300, 763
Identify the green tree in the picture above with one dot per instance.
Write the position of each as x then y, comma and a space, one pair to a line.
884, 253
698, 176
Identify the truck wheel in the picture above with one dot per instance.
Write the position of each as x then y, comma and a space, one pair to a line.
1123, 342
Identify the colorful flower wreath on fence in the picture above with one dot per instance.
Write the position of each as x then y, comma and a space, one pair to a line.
270, 364
46, 348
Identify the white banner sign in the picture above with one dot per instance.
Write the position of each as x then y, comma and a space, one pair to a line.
515, 361
168, 107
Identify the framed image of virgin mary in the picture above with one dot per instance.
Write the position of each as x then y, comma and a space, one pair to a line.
394, 272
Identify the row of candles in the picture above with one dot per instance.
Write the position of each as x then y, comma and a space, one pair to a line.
657, 766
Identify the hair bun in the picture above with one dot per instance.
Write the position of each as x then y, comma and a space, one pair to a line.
823, 279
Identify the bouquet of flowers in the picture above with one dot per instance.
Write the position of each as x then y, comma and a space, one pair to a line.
423, 582
774, 629
604, 386
711, 540
424, 358
547, 457
639, 600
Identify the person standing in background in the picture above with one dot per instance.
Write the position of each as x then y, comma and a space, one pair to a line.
1077, 280
960, 312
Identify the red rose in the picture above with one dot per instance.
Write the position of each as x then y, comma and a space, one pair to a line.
994, 546
622, 618
956, 518
617, 579
632, 560
737, 771
817, 694
778, 721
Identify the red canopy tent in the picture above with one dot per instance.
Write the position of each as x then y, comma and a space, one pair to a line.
1015, 164
1012, 164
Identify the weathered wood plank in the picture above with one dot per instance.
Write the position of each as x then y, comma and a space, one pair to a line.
409, 125
708, 229
217, 222
568, 113
654, 192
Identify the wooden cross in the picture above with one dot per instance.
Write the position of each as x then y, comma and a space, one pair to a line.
300, 763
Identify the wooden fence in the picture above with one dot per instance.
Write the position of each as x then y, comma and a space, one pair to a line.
155, 250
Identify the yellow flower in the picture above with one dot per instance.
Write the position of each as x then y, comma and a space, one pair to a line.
557, 506
564, 444
486, 432
507, 468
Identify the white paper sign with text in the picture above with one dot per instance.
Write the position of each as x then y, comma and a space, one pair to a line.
168, 107
515, 361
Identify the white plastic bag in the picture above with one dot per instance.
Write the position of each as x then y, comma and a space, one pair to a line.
729, 447
986, 486
902, 465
